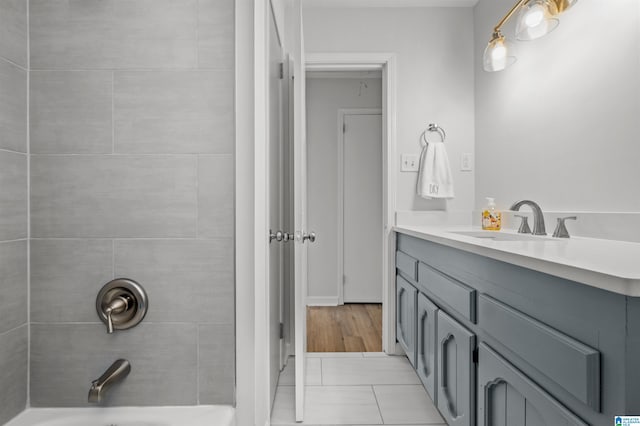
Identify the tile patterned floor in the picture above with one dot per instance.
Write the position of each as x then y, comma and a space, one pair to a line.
356, 388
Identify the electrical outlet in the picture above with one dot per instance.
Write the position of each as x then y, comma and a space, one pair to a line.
410, 163
466, 162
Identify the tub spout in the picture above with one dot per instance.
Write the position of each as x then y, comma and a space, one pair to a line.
116, 373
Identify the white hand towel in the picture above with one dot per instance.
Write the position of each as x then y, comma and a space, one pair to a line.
434, 175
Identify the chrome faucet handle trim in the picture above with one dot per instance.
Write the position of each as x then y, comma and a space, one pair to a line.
538, 216
121, 304
561, 229
524, 225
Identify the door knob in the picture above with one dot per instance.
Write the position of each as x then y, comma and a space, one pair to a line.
279, 236
311, 236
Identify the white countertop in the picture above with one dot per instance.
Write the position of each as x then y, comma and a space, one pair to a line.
606, 264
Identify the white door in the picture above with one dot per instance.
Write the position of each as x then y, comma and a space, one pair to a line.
362, 208
274, 185
299, 212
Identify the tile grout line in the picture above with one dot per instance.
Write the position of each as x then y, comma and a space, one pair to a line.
197, 196
377, 403
113, 259
28, 112
113, 112
15, 64
11, 151
197, 364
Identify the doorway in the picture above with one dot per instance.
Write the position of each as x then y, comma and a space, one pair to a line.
345, 187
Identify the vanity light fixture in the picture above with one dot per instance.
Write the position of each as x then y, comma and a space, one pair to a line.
536, 19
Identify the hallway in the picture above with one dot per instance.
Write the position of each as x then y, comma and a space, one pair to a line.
355, 327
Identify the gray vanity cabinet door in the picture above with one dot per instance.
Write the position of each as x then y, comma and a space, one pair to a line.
507, 397
456, 372
426, 362
406, 305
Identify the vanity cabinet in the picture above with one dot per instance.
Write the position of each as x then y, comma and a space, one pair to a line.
406, 306
498, 344
427, 360
456, 372
507, 397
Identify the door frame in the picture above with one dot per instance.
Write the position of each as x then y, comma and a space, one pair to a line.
342, 113
387, 63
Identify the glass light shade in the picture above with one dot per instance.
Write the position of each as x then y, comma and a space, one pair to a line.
537, 18
498, 55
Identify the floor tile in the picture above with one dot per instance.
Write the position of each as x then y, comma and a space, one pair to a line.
313, 373
328, 405
390, 370
334, 354
406, 404
374, 354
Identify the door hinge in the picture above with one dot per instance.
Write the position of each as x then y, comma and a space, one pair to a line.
281, 70
281, 330
475, 356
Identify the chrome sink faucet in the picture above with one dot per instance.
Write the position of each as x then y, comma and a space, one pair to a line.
538, 216
116, 373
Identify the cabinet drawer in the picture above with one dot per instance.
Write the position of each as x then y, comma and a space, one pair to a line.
407, 265
507, 397
457, 295
569, 363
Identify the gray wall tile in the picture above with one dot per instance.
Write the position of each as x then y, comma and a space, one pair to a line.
216, 35
13, 284
113, 196
163, 363
13, 31
183, 112
80, 34
13, 107
215, 196
13, 196
186, 280
216, 371
66, 276
71, 112
13, 372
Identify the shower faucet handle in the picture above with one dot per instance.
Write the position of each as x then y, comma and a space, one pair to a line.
118, 305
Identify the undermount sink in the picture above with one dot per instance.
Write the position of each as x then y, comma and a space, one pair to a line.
500, 236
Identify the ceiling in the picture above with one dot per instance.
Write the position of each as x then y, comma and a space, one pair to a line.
389, 3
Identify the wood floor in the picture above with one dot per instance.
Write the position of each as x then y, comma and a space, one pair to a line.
347, 328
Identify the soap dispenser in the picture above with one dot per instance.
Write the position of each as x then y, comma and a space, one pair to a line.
491, 217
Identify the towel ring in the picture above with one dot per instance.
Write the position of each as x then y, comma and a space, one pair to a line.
433, 128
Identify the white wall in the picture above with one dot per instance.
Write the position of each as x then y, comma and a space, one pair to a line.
561, 125
434, 50
324, 97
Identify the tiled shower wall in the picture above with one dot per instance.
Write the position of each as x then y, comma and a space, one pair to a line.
13, 208
132, 141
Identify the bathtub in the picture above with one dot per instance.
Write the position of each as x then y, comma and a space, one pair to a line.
203, 415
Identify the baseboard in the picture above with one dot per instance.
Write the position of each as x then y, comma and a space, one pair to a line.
322, 301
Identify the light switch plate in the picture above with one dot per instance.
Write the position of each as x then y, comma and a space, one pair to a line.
410, 163
466, 162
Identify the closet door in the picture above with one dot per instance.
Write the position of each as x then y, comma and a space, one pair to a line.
456, 372
426, 362
507, 397
406, 304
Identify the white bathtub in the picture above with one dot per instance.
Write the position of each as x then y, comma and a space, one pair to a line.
203, 415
